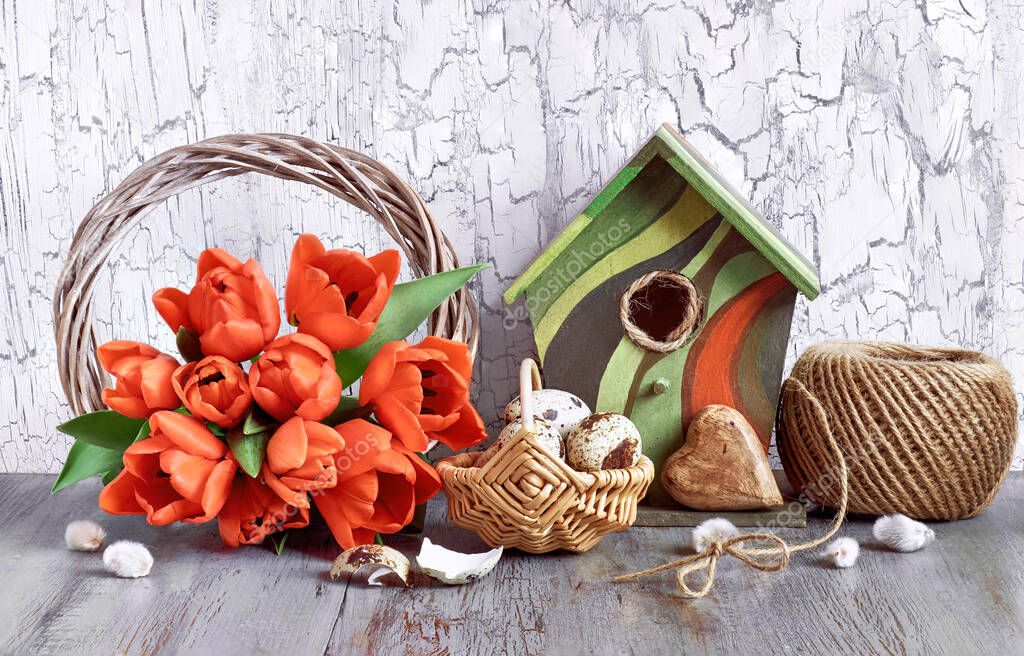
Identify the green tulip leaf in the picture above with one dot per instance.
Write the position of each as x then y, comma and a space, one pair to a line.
216, 429
258, 421
86, 460
409, 306
348, 408
143, 433
105, 428
279, 543
248, 449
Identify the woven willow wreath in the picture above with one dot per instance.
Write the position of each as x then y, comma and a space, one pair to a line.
353, 177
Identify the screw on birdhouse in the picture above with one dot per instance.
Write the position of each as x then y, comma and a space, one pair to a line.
660, 386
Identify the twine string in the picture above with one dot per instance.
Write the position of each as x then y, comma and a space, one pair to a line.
771, 557
930, 432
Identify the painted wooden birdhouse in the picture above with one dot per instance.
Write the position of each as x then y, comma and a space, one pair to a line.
667, 294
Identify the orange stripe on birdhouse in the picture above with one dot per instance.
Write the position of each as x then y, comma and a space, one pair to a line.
715, 365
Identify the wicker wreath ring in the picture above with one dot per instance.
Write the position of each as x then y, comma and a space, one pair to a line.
353, 177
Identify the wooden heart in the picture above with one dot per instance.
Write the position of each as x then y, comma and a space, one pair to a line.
722, 465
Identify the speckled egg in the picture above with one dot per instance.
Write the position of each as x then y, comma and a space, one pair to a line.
603, 441
560, 409
547, 436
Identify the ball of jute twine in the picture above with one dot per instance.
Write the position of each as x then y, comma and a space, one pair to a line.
774, 553
689, 317
927, 432
355, 178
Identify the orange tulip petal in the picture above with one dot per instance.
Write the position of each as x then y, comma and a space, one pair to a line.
264, 299
157, 388
338, 331
172, 305
363, 443
297, 498
395, 504
111, 352
189, 473
457, 353
212, 258
389, 263
378, 372
468, 430
403, 423
287, 447
348, 506
162, 504
237, 340
129, 406
118, 496
428, 481
188, 433
319, 408
218, 487
307, 247
323, 439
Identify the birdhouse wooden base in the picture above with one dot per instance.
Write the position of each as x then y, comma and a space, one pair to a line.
792, 515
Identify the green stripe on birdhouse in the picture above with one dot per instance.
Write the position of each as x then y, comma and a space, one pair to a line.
696, 171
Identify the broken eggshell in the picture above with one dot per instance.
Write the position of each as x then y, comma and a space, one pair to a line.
455, 568
380, 560
560, 409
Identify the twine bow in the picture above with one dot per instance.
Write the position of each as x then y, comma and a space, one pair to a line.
764, 559
769, 558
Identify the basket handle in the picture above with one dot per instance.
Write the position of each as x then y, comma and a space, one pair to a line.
529, 381
355, 178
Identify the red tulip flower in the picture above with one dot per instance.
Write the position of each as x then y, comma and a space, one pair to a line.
253, 511
338, 295
296, 376
379, 485
215, 389
232, 308
421, 393
300, 459
181, 472
143, 376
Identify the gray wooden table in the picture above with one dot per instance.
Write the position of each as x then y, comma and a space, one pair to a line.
963, 594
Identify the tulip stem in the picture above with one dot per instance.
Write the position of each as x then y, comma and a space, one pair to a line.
279, 544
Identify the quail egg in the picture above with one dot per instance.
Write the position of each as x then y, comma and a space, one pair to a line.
603, 441
547, 436
560, 409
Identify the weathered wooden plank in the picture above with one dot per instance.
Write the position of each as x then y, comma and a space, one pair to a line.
960, 595
200, 597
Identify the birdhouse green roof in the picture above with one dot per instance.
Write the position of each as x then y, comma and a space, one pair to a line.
702, 176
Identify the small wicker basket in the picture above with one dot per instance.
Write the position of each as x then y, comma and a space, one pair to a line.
527, 498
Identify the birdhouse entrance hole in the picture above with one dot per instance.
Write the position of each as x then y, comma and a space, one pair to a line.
661, 311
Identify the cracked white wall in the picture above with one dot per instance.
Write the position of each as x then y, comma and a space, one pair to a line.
882, 137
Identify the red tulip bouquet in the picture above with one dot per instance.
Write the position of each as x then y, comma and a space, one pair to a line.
253, 428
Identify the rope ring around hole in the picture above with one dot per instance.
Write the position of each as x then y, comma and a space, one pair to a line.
689, 319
